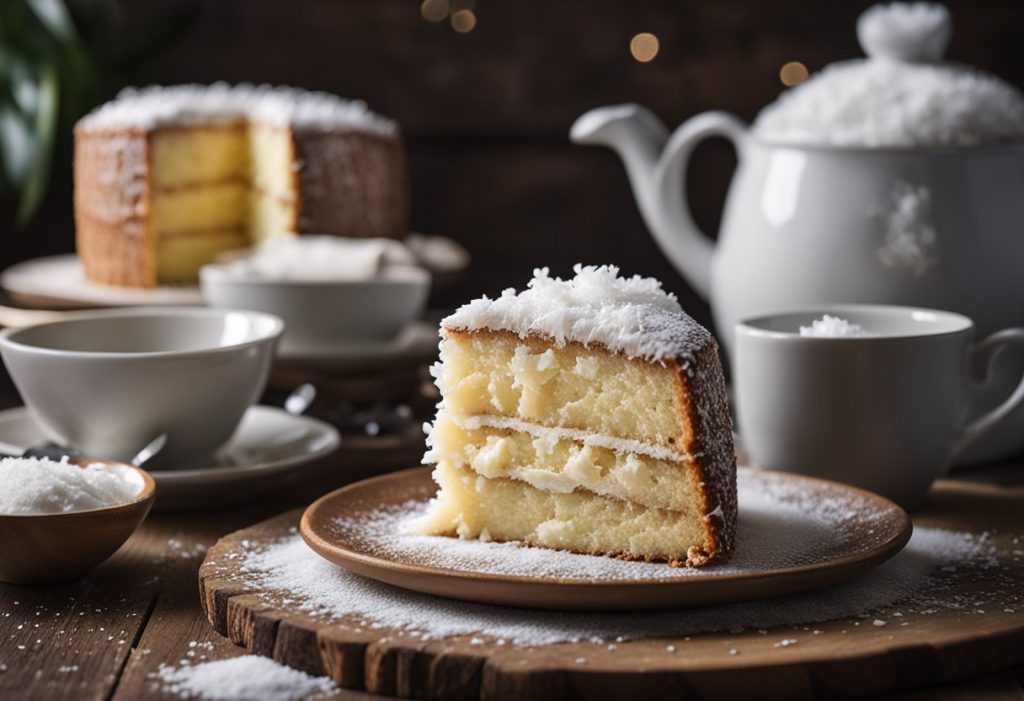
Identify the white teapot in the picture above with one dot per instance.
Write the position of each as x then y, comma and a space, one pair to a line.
893, 179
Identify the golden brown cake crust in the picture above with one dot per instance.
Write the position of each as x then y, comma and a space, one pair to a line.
702, 394
112, 204
351, 184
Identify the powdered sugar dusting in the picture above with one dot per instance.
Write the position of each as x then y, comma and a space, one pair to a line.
632, 315
780, 526
150, 107
245, 678
919, 579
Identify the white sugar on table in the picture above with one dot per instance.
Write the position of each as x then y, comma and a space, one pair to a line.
245, 678
913, 578
830, 326
35, 486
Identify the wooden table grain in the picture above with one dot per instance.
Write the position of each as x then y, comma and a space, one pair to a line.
106, 637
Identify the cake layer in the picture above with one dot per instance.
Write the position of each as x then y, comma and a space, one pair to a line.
219, 205
184, 156
471, 506
270, 216
562, 465
572, 386
178, 258
272, 160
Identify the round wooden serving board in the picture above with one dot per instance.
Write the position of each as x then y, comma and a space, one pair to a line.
848, 658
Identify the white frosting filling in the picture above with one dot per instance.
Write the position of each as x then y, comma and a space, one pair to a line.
621, 445
633, 315
147, 108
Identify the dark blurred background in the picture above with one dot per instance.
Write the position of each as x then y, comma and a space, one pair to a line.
486, 100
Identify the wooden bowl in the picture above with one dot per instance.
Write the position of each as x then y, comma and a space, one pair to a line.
63, 547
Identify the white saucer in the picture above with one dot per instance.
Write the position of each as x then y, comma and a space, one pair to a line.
268, 446
417, 343
58, 282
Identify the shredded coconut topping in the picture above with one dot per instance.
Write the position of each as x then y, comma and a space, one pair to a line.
33, 486
154, 106
901, 96
632, 315
829, 326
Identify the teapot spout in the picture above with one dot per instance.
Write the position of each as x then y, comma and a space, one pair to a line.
637, 135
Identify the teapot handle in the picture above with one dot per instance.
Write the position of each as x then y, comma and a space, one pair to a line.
688, 248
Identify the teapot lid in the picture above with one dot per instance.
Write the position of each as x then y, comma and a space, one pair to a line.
902, 95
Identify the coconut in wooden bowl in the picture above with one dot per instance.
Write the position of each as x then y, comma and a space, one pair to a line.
60, 519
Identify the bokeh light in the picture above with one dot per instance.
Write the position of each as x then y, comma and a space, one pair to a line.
463, 21
644, 47
434, 10
793, 73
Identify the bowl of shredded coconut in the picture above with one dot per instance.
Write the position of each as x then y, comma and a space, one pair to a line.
329, 290
59, 519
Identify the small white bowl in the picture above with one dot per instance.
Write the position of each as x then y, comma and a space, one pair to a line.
108, 382
321, 314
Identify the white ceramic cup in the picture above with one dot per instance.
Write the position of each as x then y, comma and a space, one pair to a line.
108, 382
886, 412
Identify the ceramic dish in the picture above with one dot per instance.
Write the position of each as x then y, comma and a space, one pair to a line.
63, 547
787, 542
269, 448
323, 314
109, 381
58, 282
417, 343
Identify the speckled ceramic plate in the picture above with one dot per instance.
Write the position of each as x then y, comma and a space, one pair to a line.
57, 282
795, 533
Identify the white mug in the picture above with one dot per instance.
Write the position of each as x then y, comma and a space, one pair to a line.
886, 411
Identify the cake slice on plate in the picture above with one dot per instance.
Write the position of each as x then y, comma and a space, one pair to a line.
587, 415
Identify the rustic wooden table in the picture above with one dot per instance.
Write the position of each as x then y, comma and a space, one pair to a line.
105, 637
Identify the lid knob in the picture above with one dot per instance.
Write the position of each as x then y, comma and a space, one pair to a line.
914, 32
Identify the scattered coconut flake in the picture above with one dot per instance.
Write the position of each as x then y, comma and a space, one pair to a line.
829, 326
245, 678
34, 486
633, 315
287, 568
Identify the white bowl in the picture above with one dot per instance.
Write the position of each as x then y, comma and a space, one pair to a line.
108, 382
322, 314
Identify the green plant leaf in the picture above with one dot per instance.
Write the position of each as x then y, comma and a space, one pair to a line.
17, 145
47, 111
54, 15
